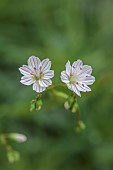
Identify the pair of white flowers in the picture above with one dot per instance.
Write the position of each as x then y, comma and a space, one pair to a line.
77, 77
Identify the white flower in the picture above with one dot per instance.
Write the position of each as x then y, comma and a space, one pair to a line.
37, 73
77, 77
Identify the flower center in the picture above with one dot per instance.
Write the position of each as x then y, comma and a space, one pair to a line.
73, 79
38, 75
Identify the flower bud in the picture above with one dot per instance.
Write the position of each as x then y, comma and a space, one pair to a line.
80, 126
75, 107
69, 103
39, 104
66, 105
13, 156
17, 137
33, 105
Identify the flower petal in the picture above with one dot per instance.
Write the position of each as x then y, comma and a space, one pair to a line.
38, 88
88, 79
64, 77
27, 80
83, 87
34, 62
74, 89
45, 64
48, 74
45, 83
68, 68
86, 69
26, 70
77, 65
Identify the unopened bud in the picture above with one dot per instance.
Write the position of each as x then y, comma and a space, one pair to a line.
32, 106
75, 107
17, 137
69, 103
66, 105
13, 156
81, 126
39, 104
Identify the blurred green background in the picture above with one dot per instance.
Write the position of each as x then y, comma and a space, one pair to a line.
59, 30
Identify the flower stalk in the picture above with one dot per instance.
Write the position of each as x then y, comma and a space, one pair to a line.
60, 94
12, 155
56, 86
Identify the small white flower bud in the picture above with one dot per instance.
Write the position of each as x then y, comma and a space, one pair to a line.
66, 105
17, 137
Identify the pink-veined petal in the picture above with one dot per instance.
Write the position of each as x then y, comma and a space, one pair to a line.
64, 77
27, 80
80, 88
83, 87
74, 89
48, 74
34, 62
77, 65
26, 70
88, 80
45, 83
45, 64
81, 76
68, 68
86, 69
38, 88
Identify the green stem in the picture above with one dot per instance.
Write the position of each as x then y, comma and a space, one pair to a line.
52, 87
57, 93
4, 141
60, 94
78, 117
56, 86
